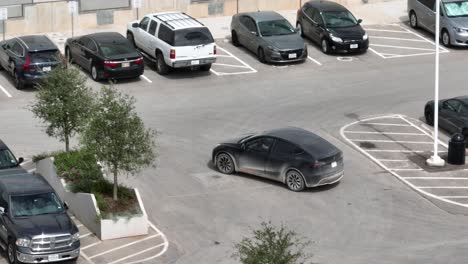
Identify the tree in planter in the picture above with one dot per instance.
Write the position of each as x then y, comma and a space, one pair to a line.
64, 103
117, 136
271, 245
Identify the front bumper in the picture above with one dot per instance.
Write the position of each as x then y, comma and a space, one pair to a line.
345, 47
192, 62
48, 258
459, 39
286, 56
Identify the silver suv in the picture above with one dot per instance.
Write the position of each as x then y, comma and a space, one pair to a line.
173, 40
453, 19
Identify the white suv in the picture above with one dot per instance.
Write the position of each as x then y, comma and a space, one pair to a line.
173, 40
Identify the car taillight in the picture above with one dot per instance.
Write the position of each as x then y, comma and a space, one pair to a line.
173, 54
317, 164
110, 64
215, 51
139, 61
299, 12
27, 64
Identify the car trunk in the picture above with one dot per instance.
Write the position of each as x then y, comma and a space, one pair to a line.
41, 62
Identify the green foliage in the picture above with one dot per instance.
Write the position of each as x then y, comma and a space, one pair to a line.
64, 103
272, 245
117, 135
44, 155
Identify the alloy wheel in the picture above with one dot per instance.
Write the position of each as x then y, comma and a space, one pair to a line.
445, 38
11, 253
294, 181
224, 163
413, 20
94, 73
324, 46
299, 27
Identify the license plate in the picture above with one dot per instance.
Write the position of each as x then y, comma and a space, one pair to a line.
354, 46
125, 64
47, 69
195, 62
292, 55
333, 164
54, 257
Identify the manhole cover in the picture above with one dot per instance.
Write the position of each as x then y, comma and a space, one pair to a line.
367, 145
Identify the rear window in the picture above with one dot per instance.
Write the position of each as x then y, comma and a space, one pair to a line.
193, 37
44, 56
115, 48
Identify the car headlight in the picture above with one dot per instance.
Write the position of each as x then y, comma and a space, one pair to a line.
76, 237
23, 242
365, 37
336, 39
460, 30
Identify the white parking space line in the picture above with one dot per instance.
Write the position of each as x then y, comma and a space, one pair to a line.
166, 246
391, 141
454, 197
124, 246
388, 30
405, 169
384, 133
395, 150
314, 60
146, 79
392, 160
435, 178
423, 131
230, 55
223, 56
442, 187
421, 37
91, 245
384, 124
86, 257
5, 91
86, 235
138, 253
408, 55
405, 39
231, 65
401, 47
378, 53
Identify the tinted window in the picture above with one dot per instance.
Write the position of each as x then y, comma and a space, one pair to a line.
120, 47
91, 45
453, 105
17, 49
37, 204
276, 28
317, 17
248, 23
339, 19
428, 3
166, 35
152, 28
286, 148
309, 12
144, 23
7, 160
193, 37
260, 145
44, 56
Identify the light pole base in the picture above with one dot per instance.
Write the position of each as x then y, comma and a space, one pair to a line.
435, 161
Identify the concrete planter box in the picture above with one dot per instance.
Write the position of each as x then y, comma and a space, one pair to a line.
84, 207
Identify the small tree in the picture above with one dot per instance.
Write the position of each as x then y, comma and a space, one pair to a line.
64, 103
116, 134
271, 245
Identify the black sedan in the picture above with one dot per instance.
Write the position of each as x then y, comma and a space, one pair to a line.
332, 26
293, 156
106, 55
453, 114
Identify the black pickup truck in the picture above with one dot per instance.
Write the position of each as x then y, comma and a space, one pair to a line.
34, 224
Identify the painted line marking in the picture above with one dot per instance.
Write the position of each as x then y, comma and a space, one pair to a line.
391, 141
435, 178
342, 132
385, 124
401, 47
314, 60
79, 225
405, 169
420, 36
86, 257
229, 73
377, 53
86, 235
146, 79
454, 197
224, 56
384, 133
442, 187
252, 70
388, 30
166, 246
138, 253
396, 150
405, 39
124, 246
92, 245
425, 132
5, 91
391, 160
230, 65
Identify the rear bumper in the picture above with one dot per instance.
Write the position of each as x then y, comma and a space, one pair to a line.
29, 79
320, 180
123, 73
192, 63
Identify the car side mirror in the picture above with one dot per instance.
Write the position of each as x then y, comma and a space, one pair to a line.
136, 25
2, 211
254, 33
359, 21
65, 205
243, 146
20, 160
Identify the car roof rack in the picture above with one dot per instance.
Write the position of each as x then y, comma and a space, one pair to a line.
178, 20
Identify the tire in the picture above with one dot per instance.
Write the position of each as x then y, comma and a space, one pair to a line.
261, 55
429, 115
413, 20
235, 39
161, 66
11, 253
325, 46
206, 67
19, 84
68, 55
294, 181
131, 38
445, 38
224, 163
301, 31
95, 73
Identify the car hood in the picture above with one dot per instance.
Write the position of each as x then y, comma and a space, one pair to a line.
12, 171
348, 32
44, 224
461, 22
285, 42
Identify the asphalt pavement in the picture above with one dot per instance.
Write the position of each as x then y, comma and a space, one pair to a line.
369, 217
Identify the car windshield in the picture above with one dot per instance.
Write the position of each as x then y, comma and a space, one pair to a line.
246, 138
110, 49
35, 204
44, 56
7, 160
456, 9
276, 28
193, 37
339, 19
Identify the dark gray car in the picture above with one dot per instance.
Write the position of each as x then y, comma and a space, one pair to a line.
453, 114
294, 156
269, 35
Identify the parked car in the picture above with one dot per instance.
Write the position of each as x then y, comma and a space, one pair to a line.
34, 224
8, 162
28, 59
269, 35
332, 26
453, 114
107, 55
173, 40
453, 19
293, 156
